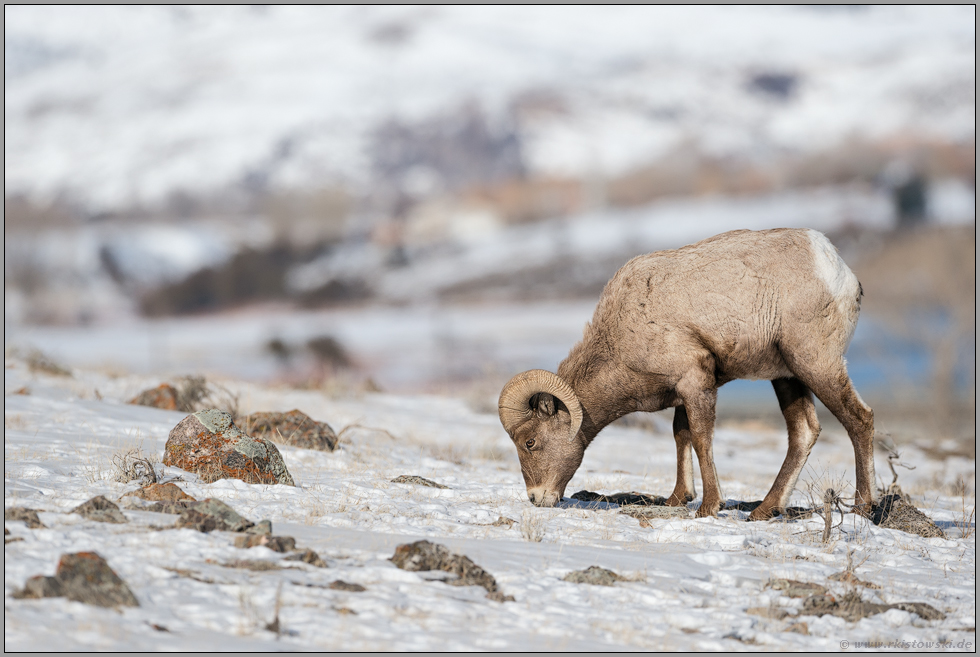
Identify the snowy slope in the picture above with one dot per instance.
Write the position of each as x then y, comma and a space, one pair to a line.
116, 107
691, 580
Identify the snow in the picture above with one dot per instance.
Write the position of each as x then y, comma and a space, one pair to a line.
690, 580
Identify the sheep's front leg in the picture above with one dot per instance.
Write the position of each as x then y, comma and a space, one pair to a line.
684, 488
698, 392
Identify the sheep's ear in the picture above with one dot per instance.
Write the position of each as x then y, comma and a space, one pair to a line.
544, 403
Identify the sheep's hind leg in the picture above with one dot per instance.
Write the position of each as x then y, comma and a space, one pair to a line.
835, 390
796, 403
684, 488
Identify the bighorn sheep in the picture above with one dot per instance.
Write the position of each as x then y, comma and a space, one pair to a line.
672, 327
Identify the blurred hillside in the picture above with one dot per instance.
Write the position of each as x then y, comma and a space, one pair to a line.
437, 178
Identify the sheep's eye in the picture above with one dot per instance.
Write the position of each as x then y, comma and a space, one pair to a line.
529, 443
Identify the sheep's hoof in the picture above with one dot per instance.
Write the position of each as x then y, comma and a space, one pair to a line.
762, 512
708, 509
679, 500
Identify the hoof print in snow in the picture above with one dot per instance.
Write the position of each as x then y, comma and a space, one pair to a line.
792, 588
593, 575
624, 499
211, 515
418, 481
423, 555
27, 516
209, 444
892, 512
163, 396
274, 543
308, 556
82, 577
294, 429
340, 585
852, 608
101, 510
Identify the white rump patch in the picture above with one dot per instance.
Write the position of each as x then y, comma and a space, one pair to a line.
837, 276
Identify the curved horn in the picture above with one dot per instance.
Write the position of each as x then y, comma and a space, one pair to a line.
514, 406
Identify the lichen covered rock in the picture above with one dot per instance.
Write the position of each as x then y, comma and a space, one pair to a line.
209, 444
295, 429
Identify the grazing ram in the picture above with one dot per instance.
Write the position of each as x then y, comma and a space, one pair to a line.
672, 327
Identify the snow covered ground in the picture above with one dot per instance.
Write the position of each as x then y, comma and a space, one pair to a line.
690, 581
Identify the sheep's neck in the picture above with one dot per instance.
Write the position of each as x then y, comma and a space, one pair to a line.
604, 393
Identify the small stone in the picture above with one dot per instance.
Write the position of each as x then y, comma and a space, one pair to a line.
21, 514
593, 575
503, 522
209, 444
40, 586
418, 481
86, 577
163, 396
101, 510
261, 527
274, 543
799, 628
295, 429
308, 556
426, 556
256, 565
340, 585
168, 492
211, 514
847, 577
647, 513
792, 588
772, 613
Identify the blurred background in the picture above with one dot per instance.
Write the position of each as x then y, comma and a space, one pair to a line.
431, 199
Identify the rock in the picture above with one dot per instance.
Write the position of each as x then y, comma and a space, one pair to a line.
295, 429
624, 499
799, 628
209, 444
22, 514
593, 575
772, 613
261, 527
418, 481
101, 510
647, 513
503, 522
340, 585
40, 586
423, 555
308, 556
274, 543
847, 577
256, 565
852, 608
82, 577
210, 515
163, 396
792, 588
168, 492
893, 512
